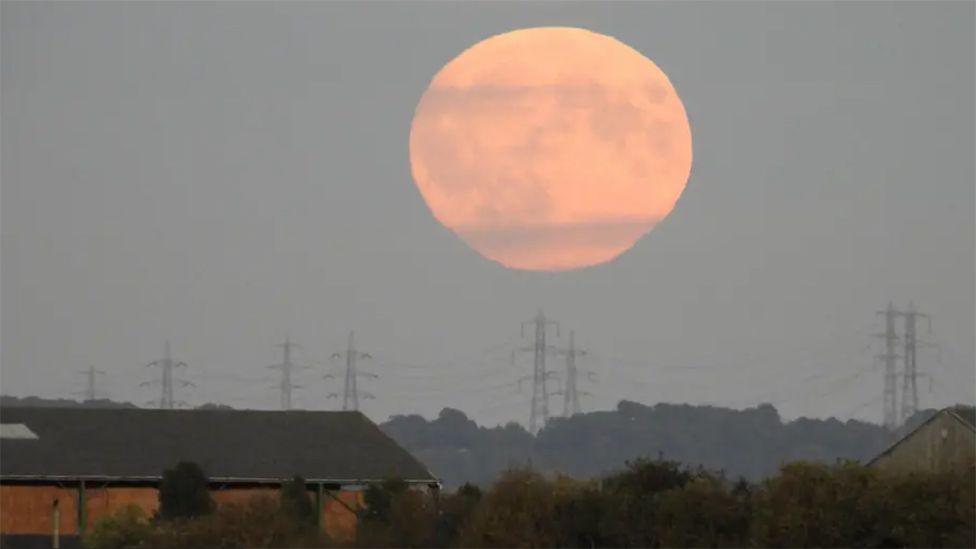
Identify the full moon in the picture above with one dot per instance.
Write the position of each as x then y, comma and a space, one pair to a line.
550, 149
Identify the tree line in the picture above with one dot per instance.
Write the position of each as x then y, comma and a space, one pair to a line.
751, 443
648, 503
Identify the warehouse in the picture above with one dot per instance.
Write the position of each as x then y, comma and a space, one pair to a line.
62, 468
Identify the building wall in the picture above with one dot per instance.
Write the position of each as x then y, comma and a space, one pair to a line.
941, 445
29, 509
340, 522
101, 501
26, 509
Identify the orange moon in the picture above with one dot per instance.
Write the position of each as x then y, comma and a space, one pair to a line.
550, 149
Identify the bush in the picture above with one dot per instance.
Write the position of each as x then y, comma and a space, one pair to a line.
128, 527
814, 505
260, 522
650, 504
518, 511
397, 516
454, 511
580, 511
702, 513
632, 500
378, 498
926, 510
295, 502
184, 492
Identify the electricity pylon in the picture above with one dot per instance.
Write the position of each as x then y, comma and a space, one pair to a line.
351, 393
571, 392
539, 408
287, 367
90, 375
166, 381
889, 357
893, 414
909, 390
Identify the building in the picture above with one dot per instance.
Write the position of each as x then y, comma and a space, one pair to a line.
88, 463
944, 442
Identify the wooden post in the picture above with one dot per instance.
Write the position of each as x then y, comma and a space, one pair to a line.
56, 525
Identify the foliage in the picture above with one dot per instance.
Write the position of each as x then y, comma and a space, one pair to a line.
260, 522
751, 443
926, 510
847, 504
518, 511
815, 505
453, 512
379, 498
397, 516
634, 496
702, 513
650, 503
128, 527
184, 492
296, 503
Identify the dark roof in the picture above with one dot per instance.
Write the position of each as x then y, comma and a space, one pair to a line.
966, 413
238, 445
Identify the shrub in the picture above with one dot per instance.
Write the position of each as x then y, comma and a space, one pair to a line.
632, 498
184, 492
702, 513
518, 511
128, 527
295, 502
397, 516
454, 511
260, 522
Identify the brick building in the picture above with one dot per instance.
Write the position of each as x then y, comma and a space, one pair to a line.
92, 462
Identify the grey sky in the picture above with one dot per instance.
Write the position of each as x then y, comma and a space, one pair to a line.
224, 174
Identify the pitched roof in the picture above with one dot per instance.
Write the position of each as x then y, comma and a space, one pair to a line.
238, 445
965, 414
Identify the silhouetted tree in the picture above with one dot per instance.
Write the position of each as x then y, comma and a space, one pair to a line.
184, 492
634, 496
454, 510
295, 501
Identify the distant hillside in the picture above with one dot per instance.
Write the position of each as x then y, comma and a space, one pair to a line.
751, 443
33, 401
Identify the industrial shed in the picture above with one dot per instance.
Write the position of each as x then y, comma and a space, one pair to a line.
95, 461
945, 442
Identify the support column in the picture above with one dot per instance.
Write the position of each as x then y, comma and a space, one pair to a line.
82, 511
319, 504
55, 525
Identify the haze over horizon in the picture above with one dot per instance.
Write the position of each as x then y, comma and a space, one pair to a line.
226, 175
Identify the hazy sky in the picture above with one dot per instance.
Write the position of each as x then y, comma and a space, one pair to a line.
226, 174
